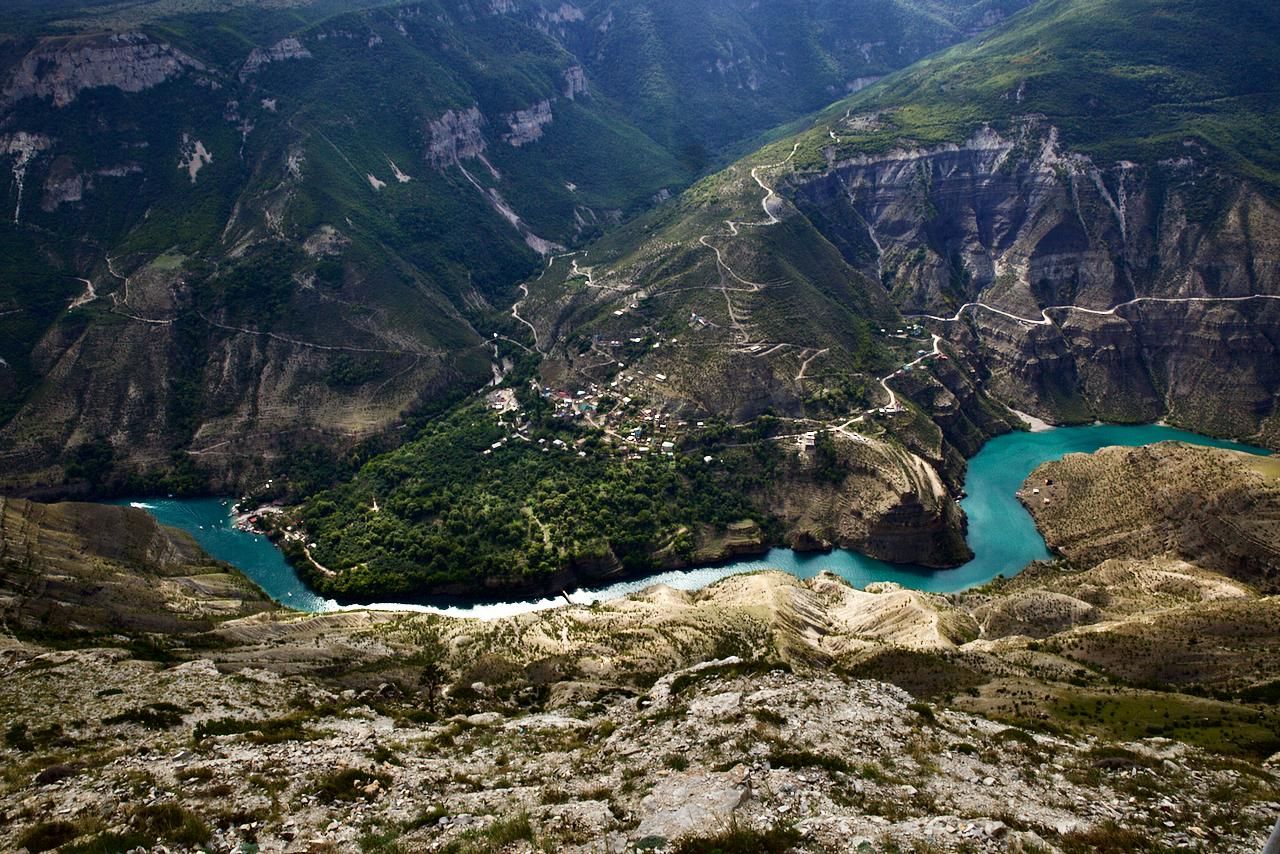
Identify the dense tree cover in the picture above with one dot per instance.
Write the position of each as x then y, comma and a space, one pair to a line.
447, 513
258, 287
91, 466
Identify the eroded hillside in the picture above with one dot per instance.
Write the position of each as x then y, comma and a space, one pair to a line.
798, 715
1078, 262
243, 236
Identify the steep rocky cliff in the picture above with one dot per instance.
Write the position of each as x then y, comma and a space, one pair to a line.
882, 501
78, 570
61, 68
287, 48
455, 135
1100, 286
526, 125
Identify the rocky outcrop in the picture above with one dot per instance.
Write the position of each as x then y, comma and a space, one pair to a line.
458, 136
22, 147
325, 241
192, 157
63, 184
575, 82
60, 69
287, 48
85, 568
565, 13
1215, 508
1020, 224
526, 125
882, 501
455, 136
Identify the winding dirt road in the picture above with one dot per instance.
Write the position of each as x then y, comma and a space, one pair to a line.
1046, 320
772, 219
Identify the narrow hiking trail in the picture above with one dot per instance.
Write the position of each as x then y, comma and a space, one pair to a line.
884, 381
524, 295
769, 195
515, 312
124, 281
731, 282
299, 343
804, 366
122, 299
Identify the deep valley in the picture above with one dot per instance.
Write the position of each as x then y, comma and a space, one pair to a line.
510, 299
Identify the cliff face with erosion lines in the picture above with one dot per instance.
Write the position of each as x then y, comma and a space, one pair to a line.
1020, 224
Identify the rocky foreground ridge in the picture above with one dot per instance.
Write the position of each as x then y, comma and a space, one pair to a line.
1081, 706
827, 762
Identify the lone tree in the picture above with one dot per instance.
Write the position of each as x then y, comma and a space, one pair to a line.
432, 678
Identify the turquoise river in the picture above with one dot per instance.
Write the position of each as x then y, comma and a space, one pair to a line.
1001, 533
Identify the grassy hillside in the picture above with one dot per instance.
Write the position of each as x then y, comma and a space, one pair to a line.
1122, 79
700, 76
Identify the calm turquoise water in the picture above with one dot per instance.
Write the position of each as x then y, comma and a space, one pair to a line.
1001, 533
209, 521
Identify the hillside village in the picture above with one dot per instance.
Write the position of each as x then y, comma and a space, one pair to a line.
637, 415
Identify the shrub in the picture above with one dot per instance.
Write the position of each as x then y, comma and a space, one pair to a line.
807, 759
1118, 758
17, 737
1111, 838
505, 831
924, 711
1016, 735
107, 843
196, 773
348, 784
555, 796
48, 835
154, 716
172, 823
494, 837
264, 731
54, 773
740, 840
768, 716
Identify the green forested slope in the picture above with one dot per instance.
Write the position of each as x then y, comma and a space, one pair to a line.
1121, 79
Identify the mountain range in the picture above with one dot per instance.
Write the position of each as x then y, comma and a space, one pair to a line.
458, 301
240, 230
276, 249
898, 274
